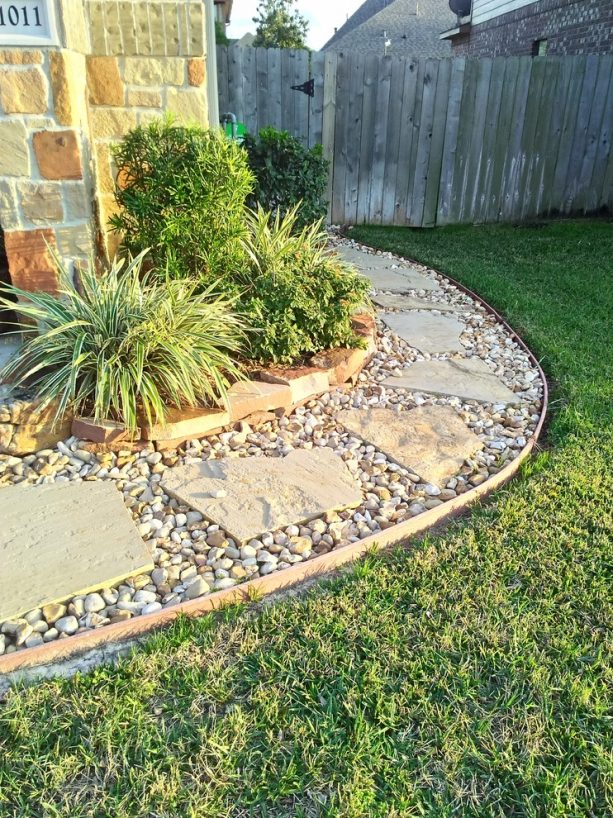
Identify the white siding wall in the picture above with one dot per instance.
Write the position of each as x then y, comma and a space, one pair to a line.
483, 10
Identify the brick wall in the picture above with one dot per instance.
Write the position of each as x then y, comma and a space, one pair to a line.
569, 26
61, 109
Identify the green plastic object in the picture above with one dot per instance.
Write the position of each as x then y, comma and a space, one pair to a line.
236, 131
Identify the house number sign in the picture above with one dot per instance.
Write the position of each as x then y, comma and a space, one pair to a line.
27, 22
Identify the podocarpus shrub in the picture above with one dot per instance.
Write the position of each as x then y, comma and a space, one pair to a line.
298, 297
287, 174
123, 346
181, 192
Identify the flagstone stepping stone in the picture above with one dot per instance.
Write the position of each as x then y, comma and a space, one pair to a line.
60, 540
411, 302
383, 277
432, 441
466, 378
426, 332
249, 496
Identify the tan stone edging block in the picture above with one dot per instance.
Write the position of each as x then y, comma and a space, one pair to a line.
122, 631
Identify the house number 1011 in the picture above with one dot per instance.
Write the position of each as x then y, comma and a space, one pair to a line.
14, 15
27, 22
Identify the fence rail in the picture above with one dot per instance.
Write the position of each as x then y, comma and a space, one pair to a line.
431, 142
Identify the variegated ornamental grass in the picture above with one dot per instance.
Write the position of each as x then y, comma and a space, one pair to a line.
121, 346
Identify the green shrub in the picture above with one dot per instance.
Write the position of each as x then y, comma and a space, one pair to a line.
288, 174
122, 347
298, 298
182, 193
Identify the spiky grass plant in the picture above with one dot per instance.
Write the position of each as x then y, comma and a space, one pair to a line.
123, 347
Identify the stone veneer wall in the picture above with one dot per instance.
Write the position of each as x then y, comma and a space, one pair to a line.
146, 58
45, 175
118, 65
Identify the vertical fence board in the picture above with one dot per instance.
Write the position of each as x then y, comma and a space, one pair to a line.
328, 121
513, 161
424, 143
492, 115
600, 192
535, 193
452, 123
301, 101
599, 100
437, 141
403, 174
275, 111
382, 104
459, 173
352, 134
371, 73
317, 103
263, 111
249, 82
340, 140
415, 122
580, 131
475, 159
394, 128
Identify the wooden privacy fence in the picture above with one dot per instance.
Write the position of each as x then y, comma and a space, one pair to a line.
430, 142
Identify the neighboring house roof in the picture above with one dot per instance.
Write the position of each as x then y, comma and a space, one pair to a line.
412, 27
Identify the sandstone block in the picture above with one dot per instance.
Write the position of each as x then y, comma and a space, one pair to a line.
107, 431
74, 241
187, 105
76, 201
24, 92
247, 397
67, 72
108, 123
154, 71
104, 83
14, 153
17, 56
304, 382
195, 71
144, 98
9, 216
58, 154
187, 423
31, 265
41, 202
341, 365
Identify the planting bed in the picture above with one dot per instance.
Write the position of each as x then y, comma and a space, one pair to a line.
473, 438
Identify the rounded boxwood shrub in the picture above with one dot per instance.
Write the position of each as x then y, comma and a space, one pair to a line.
181, 192
287, 175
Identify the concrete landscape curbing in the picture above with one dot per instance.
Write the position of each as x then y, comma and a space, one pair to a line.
104, 638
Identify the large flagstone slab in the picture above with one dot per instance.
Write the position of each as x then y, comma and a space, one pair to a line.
432, 441
385, 277
60, 540
427, 333
397, 301
248, 496
466, 378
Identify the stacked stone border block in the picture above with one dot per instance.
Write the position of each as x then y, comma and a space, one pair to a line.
62, 107
95, 647
569, 26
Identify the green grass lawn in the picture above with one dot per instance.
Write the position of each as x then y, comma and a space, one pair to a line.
468, 675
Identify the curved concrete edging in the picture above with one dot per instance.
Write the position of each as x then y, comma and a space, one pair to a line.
71, 647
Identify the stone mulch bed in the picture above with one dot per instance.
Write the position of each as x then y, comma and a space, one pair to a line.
193, 558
